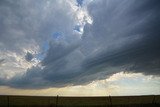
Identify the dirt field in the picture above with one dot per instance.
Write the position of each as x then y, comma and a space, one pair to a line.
58, 101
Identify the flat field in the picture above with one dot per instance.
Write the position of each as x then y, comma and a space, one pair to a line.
59, 101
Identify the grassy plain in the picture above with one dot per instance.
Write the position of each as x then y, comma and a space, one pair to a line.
108, 101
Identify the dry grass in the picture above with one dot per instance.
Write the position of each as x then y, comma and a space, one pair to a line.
115, 101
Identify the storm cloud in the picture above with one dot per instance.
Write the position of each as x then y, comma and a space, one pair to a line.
129, 38
2, 61
124, 36
29, 56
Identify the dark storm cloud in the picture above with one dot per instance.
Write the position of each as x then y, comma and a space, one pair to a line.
25, 23
29, 56
25, 26
56, 71
57, 50
133, 35
2, 61
124, 36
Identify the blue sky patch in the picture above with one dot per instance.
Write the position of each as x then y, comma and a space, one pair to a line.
77, 28
57, 35
80, 2
45, 48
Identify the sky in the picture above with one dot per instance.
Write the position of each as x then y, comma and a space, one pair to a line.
80, 47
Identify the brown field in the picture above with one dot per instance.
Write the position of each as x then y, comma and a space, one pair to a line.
59, 101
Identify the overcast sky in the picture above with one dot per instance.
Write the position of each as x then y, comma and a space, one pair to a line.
74, 45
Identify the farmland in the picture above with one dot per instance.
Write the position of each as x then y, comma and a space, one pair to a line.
61, 101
